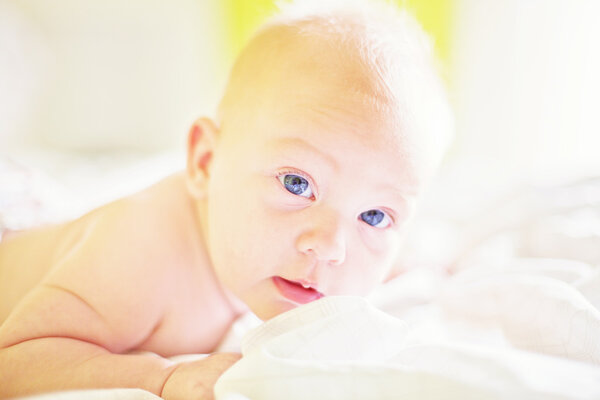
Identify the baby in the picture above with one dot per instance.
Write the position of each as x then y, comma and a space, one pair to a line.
331, 123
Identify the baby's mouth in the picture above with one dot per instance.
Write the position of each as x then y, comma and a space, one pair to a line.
296, 291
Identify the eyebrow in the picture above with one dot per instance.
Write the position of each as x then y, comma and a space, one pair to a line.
303, 145
403, 199
406, 193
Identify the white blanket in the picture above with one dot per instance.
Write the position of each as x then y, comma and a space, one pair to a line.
516, 334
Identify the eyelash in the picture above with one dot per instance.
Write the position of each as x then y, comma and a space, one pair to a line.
311, 183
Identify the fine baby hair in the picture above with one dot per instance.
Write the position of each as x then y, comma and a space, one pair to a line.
396, 68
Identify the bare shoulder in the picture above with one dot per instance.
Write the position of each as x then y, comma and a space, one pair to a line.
131, 259
115, 283
135, 236
145, 228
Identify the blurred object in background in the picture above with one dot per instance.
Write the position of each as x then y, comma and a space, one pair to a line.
115, 74
23, 64
527, 89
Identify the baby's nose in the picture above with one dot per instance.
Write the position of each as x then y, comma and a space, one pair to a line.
325, 240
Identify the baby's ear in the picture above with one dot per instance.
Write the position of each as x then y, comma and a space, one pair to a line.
200, 148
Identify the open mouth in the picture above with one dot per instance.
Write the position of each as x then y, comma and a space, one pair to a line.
296, 291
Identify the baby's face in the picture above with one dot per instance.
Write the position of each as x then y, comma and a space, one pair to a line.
308, 201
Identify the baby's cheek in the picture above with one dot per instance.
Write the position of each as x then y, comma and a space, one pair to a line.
360, 275
381, 249
358, 282
378, 242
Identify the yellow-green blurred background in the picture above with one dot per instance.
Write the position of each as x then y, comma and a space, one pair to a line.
243, 17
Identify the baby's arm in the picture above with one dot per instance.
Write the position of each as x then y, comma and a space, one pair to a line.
103, 300
49, 364
54, 363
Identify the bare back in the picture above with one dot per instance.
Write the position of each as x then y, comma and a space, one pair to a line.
131, 275
25, 258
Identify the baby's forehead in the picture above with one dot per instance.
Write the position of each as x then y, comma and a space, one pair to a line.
324, 94
335, 126
341, 114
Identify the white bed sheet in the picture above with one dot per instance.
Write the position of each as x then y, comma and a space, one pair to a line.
518, 334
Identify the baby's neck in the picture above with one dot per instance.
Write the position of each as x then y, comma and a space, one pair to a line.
193, 216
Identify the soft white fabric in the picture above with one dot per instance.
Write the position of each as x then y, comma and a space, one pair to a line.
482, 337
534, 313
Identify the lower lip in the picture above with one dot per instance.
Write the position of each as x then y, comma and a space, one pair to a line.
295, 292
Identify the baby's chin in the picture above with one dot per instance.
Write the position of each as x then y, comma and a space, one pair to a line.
268, 311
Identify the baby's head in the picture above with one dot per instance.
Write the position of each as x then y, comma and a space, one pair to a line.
332, 121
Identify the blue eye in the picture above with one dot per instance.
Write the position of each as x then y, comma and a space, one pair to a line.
297, 185
376, 218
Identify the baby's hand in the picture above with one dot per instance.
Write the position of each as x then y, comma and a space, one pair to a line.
195, 380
